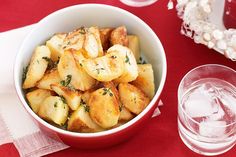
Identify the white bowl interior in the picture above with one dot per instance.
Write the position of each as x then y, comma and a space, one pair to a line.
92, 15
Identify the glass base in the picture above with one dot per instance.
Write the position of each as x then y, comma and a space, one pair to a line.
196, 145
138, 3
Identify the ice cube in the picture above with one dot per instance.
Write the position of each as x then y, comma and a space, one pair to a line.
200, 104
229, 100
212, 128
217, 115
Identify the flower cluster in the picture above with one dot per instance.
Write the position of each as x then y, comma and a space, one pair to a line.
198, 26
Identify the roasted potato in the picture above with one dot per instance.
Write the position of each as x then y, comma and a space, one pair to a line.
75, 40
145, 80
104, 108
132, 98
130, 69
53, 109
125, 114
51, 77
80, 121
67, 66
36, 97
105, 34
37, 66
55, 44
105, 68
119, 36
134, 46
72, 97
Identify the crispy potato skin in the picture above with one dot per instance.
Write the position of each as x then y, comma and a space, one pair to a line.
134, 46
119, 36
104, 108
50, 77
145, 80
36, 97
133, 98
53, 109
80, 121
105, 34
125, 114
37, 66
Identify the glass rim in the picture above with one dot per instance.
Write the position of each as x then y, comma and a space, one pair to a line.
138, 4
179, 103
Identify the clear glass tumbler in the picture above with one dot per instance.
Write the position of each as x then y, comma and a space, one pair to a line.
138, 3
207, 109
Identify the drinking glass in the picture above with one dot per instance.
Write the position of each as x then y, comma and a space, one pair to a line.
138, 3
207, 109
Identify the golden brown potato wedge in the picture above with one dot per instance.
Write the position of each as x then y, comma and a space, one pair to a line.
125, 114
104, 108
145, 80
119, 36
105, 34
37, 66
75, 40
133, 98
72, 97
105, 68
51, 77
110, 85
134, 46
130, 69
36, 97
55, 44
54, 109
67, 66
80, 121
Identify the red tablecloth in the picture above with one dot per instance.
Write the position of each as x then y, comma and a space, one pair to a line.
160, 136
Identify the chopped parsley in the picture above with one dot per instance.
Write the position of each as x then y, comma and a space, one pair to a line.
67, 81
82, 30
63, 99
107, 91
55, 105
86, 107
51, 64
127, 59
25, 70
99, 70
141, 61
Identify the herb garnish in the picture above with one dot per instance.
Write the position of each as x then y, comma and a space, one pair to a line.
51, 64
86, 107
82, 30
99, 69
67, 81
107, 90
63, 99
127, 59
25, 70
55, 104
141, 61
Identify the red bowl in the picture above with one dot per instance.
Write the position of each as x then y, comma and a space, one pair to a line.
67, 19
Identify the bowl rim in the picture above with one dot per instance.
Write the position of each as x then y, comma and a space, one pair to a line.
106, 132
